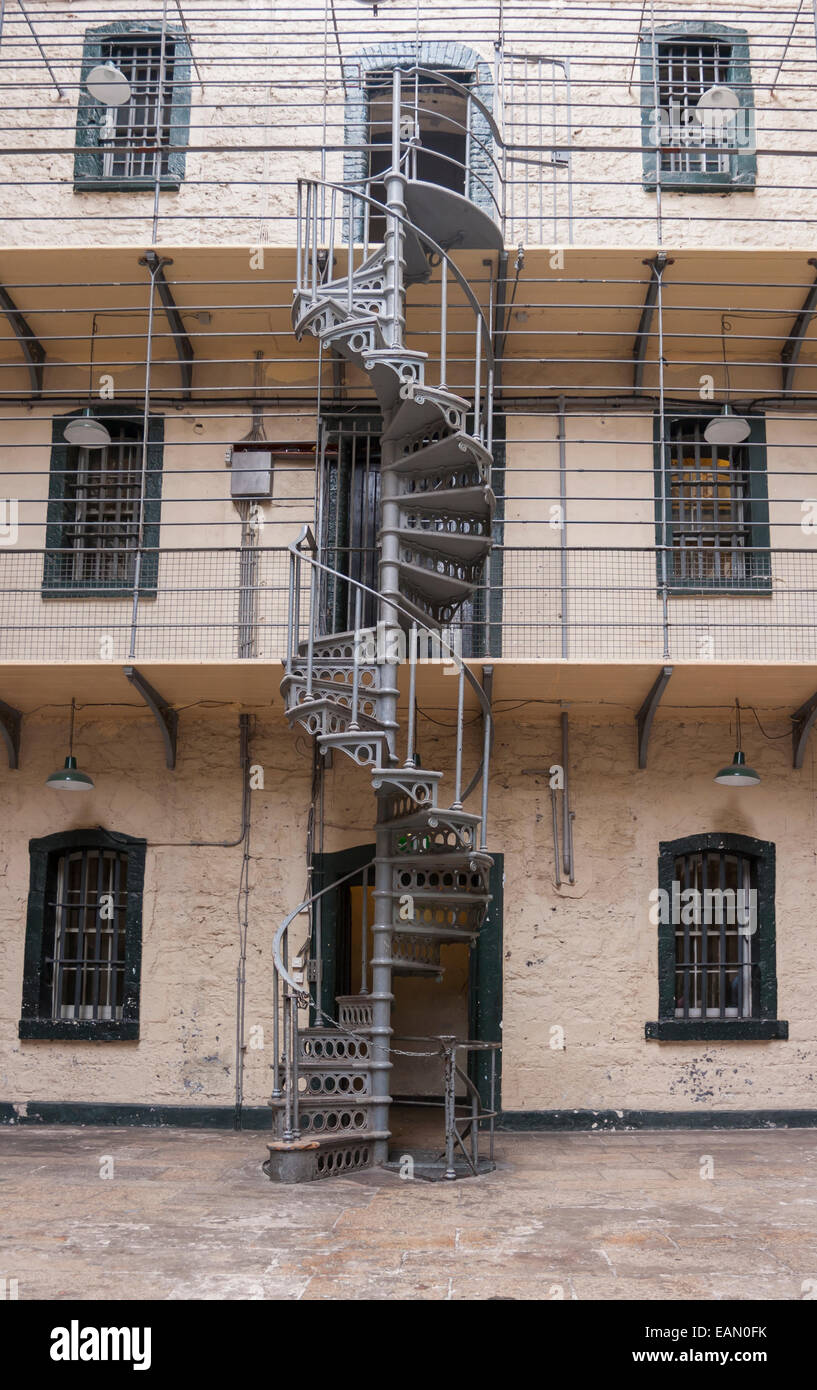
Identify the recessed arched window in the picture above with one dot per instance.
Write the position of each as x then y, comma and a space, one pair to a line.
456, 144
83, 937
715, 914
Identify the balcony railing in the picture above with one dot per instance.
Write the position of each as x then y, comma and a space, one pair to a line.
547, 604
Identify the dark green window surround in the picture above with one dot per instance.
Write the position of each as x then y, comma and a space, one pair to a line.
89, 175
742, 171
749, 574
763, 1023
38, 1011
59, 577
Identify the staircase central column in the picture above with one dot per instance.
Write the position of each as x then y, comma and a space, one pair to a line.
381, 995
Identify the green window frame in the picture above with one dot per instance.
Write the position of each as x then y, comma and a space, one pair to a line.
60, 579
739, 166
716, 529
89, 159
70, 951
722, 962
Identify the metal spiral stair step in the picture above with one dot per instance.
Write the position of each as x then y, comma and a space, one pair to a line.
416, 607
426, 408
453, 544
391, 370
451, 450
308, 710
473, 501
297, 697
366, 748
332, 647
299, 679
442, 862
450, 218
439, 588
446, 936
423, 818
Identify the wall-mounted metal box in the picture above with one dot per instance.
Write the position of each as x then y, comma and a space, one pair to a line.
251, 470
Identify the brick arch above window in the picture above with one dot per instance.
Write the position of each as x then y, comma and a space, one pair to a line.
436, 56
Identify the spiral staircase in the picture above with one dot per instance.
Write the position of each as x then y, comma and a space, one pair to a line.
330, 1097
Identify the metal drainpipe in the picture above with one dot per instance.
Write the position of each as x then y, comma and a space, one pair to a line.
140, 539
381, 995
658, 271
563, 517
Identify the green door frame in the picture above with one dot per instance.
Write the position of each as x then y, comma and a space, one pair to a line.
485, 969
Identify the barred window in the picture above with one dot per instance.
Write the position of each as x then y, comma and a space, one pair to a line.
134, 137
687, 146
717, 975
86, 926
95, 501
83, 936
101, 518
144, 140
710, 505
685, 72
713, 511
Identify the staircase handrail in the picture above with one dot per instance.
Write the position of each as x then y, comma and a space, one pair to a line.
301, 994
485, 704
438, 250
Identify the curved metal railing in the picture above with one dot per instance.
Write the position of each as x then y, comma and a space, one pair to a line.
316, 248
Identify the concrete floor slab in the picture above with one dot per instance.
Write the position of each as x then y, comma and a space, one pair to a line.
189, 1214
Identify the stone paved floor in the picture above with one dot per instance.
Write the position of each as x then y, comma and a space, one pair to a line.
189, 1214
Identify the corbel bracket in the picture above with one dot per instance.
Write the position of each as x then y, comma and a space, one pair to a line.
645, 716
166, 718
11, 721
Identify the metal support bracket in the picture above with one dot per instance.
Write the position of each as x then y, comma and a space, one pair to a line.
645, 716
487, 683
184, 347
801, 725
166, 718
33, 350
657, 265
11, 721
791, 349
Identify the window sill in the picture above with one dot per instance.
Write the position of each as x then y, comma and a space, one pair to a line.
741, 588
103, 185
83, 1030
96, 593
716, 1030
705, 183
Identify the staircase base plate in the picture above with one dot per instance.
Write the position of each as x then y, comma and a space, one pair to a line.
430, 1165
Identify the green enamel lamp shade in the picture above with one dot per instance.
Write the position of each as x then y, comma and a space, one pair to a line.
69, 778
737, 774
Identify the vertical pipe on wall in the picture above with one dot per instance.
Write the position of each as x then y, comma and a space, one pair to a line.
154, 269
567, 814
244, 920
160, 109
563, 523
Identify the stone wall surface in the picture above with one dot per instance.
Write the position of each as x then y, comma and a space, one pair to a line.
271, 97
580, 958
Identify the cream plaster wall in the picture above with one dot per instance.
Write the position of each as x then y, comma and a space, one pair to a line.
582, 958
278, 84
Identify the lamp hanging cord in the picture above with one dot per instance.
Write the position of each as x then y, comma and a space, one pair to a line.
726, 326
771, 737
